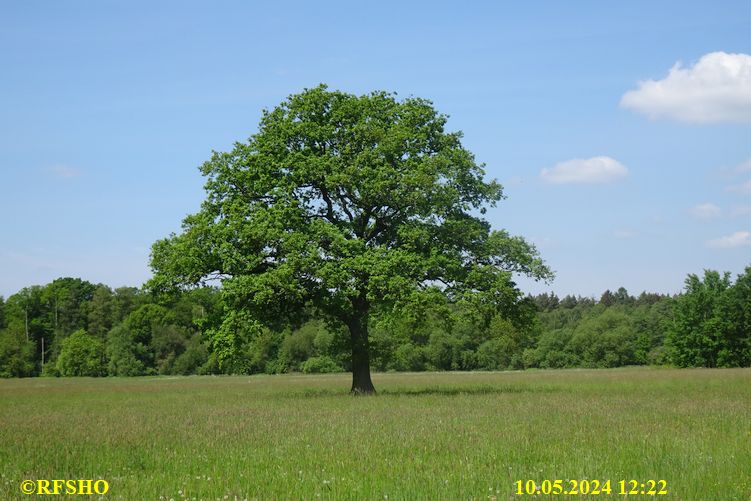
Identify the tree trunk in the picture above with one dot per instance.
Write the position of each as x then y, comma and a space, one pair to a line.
358, 329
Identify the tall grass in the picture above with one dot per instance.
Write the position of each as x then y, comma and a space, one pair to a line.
425, 436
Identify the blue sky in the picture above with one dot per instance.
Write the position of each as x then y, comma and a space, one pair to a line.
107, 110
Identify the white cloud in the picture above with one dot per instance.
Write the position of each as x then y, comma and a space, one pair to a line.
706, 211
63, 171
737, 239
743, 188
716, 89
594, 170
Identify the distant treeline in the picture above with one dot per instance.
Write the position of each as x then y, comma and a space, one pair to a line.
72, 327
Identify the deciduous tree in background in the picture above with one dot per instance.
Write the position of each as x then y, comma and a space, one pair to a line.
82, 355
711, 320
339, 204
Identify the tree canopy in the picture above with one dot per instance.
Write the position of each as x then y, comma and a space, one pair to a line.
340, 204
707, 325
711, 322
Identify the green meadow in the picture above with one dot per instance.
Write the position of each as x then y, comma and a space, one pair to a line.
424, 436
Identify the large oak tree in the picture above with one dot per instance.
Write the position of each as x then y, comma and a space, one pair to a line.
338, 205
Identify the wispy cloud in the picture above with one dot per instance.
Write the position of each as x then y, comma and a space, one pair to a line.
742, 188
715, 89
595, 170
737, 239
736, 171
63, 171
706, 211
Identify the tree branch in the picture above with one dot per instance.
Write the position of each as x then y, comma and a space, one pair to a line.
329, 204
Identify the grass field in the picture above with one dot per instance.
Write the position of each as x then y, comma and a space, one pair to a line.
425, 436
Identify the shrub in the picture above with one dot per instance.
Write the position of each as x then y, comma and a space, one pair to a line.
81, 355
408, 357
194, 356
16, 355
494, 354
322, 364
122, 353
298, 347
